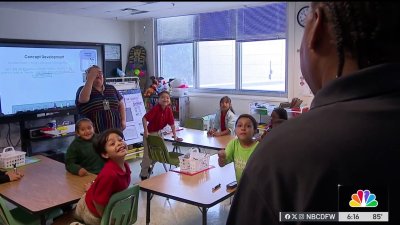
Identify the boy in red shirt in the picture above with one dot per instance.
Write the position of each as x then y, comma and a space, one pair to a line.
157, 118
114, 177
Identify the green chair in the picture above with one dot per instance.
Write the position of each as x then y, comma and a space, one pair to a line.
192, 123
158, 152
122, 208
19, 216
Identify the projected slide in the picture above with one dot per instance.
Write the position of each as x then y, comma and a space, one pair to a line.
41, 78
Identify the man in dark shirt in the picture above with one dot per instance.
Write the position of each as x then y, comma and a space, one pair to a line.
350, 57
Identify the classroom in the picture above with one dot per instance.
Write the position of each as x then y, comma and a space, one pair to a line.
249, 51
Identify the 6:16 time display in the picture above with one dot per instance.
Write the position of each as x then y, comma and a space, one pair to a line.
364, 216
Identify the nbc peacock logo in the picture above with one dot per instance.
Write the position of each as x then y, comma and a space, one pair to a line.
363, 199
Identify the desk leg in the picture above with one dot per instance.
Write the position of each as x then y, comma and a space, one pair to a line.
43, 219
204, 211
148, 208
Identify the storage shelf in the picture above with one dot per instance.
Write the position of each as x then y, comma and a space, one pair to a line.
26, 140
50, 138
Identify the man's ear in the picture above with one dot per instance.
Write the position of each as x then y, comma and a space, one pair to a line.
104, 155
317, 29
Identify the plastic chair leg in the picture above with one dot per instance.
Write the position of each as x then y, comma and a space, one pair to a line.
176, 149
165, 167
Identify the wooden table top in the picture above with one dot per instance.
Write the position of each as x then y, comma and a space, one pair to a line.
45, 185
200, 138
195, 189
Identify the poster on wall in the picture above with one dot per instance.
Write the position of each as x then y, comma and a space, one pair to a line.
112, 52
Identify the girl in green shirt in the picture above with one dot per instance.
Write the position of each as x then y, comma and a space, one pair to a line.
81, 157
239, 150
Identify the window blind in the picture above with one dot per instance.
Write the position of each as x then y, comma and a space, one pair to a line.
217, 25
177, 29
266, 22
262, 23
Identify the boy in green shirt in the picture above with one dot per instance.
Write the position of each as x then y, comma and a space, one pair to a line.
239, 150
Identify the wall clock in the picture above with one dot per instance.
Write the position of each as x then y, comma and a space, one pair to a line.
302, 15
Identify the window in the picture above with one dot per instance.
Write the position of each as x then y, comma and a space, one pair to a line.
176, 61
216, 64
263, 65
232, 51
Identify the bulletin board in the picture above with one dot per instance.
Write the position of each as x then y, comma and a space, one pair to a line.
112, 59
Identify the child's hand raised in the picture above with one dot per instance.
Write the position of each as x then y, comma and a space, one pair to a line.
221, 158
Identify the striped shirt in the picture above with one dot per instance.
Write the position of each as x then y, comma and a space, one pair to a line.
94, 109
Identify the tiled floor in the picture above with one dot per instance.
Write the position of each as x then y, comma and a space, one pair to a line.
163, 211
168, 212
171, 212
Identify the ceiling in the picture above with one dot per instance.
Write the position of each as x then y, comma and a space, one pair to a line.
126, 11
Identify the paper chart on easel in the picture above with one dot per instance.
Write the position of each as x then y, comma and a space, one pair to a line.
135, 110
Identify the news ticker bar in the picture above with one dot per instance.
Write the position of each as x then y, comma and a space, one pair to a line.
334, 217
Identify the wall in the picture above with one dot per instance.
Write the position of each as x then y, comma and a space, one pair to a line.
241, 102
144, 36
45, 26
302, 91
16, 24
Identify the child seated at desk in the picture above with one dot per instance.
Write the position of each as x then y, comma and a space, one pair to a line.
114, 177
239, 150
224, 123
278, 116
81, 157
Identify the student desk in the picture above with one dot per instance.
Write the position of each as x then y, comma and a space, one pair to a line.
46, 185
195, 190
199, 138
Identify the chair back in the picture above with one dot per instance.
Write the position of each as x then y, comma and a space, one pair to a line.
194, 123
122, 208
19, 216
157, 150
5, 214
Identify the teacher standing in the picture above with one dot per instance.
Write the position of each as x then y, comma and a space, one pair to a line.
100, 102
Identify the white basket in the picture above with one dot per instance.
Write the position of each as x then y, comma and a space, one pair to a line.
9, 157
194, 161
